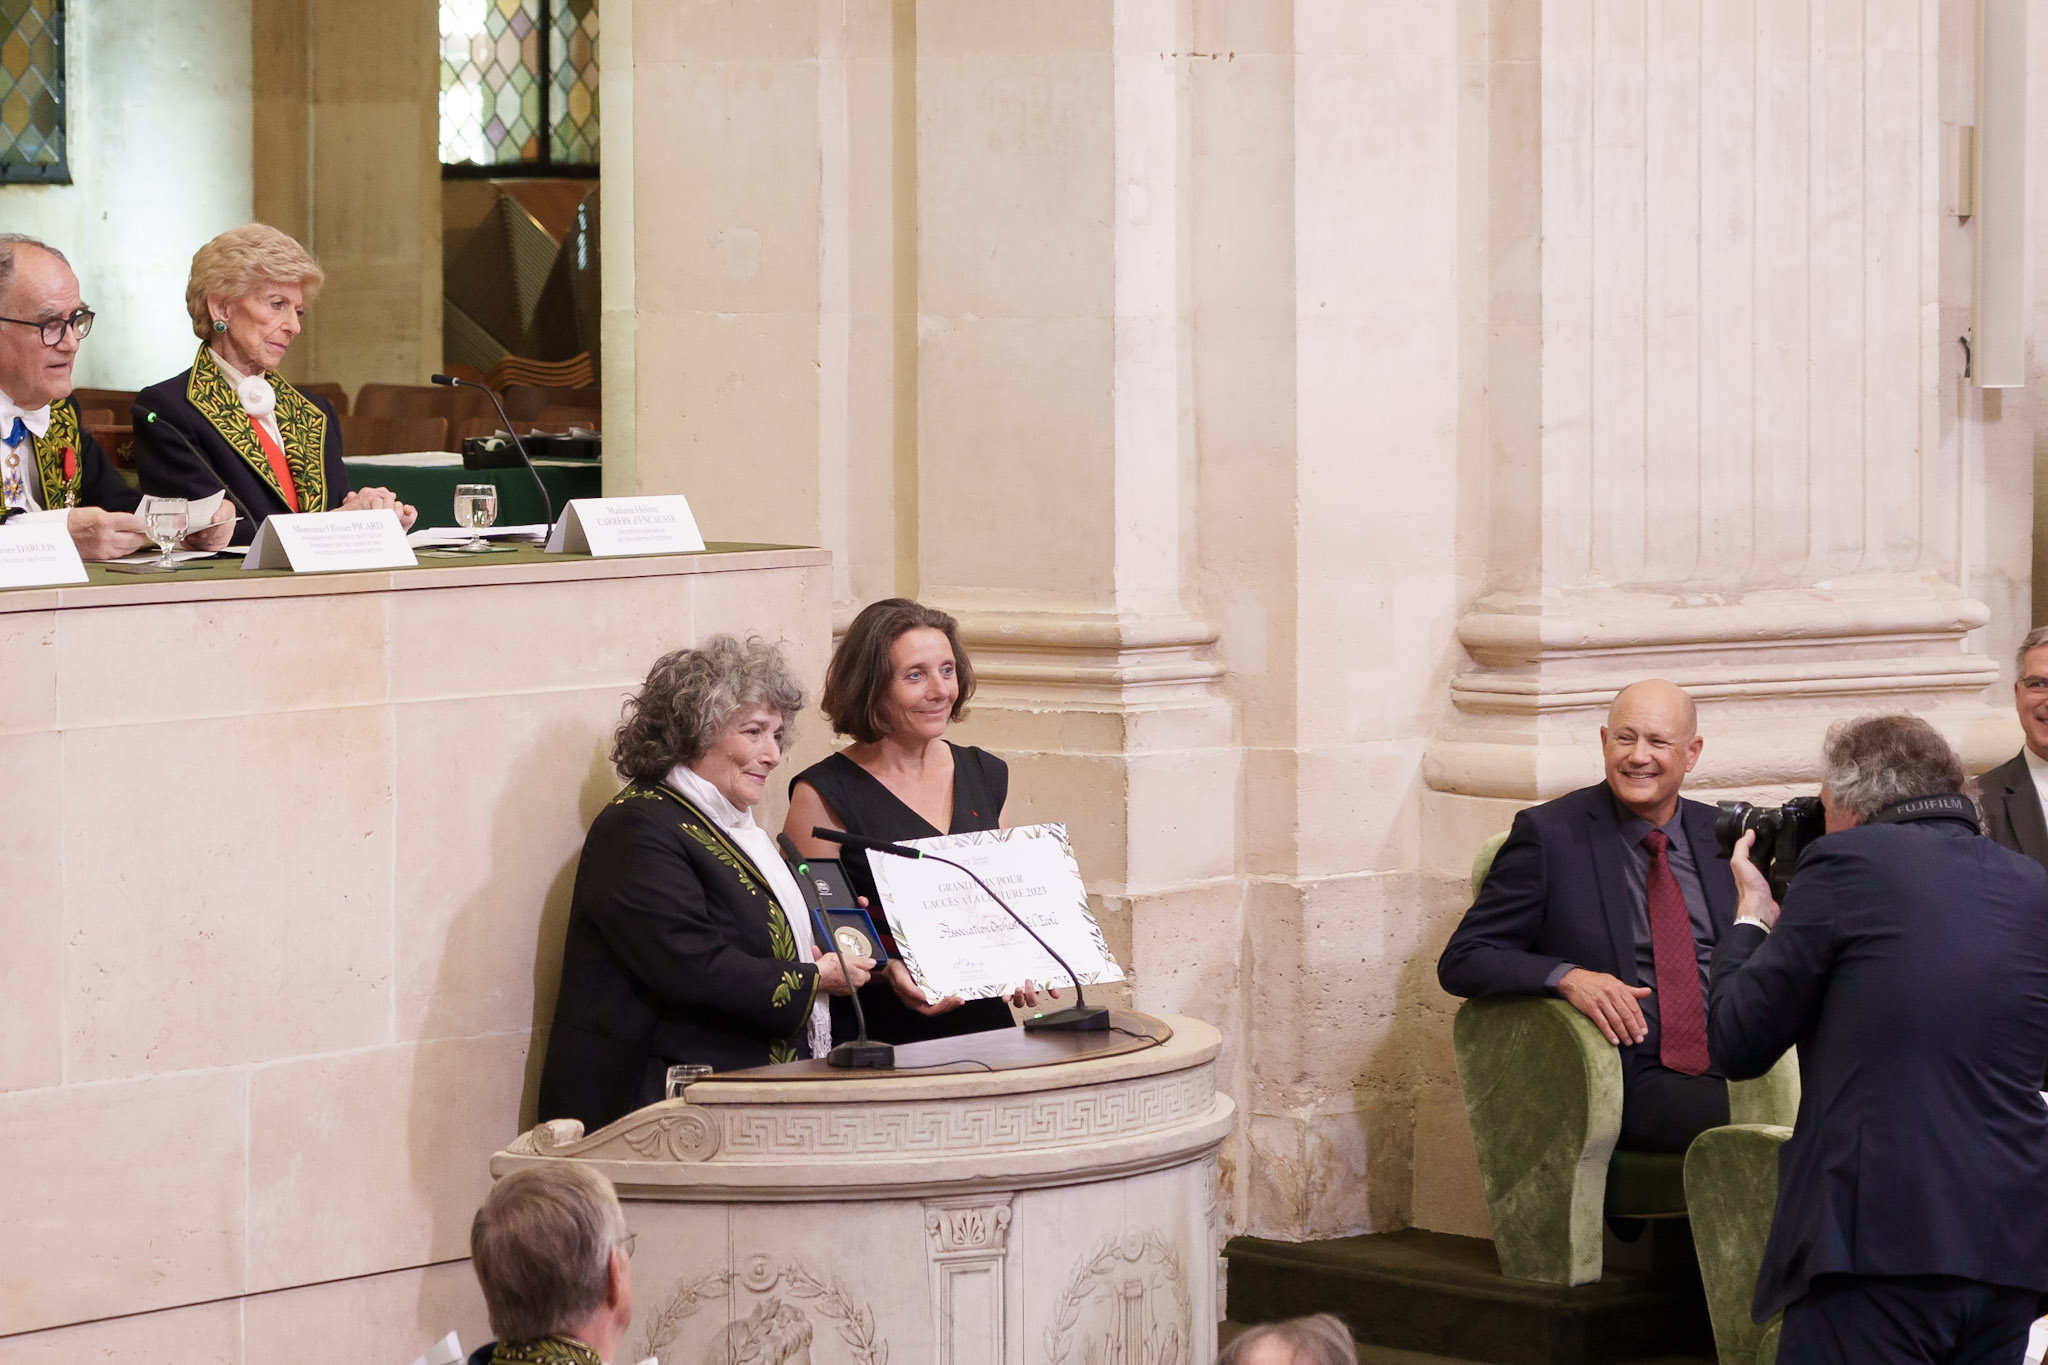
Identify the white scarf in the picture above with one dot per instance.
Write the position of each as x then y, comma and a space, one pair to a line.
740, 827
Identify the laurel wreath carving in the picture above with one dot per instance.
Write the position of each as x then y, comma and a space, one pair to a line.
1131, 1248
853, 1321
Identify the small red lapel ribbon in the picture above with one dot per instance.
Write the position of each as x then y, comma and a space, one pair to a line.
70, 464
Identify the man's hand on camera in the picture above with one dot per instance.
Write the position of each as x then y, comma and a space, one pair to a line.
1609, 1002
1753, 899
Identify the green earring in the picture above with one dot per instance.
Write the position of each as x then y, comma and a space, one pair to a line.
220, 324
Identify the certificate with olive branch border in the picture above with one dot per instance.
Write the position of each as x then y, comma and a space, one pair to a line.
955, 941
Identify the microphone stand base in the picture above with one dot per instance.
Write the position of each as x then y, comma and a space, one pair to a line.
863, 1054
1075, 1019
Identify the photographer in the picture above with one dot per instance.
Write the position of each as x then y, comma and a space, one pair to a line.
1910, 966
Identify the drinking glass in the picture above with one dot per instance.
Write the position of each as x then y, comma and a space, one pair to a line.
476, 506
166, 526
680, 1078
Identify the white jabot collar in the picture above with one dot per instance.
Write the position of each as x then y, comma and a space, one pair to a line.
37, 420
710, 799
257, 397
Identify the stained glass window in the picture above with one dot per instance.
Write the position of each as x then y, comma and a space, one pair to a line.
518, 83
32, 91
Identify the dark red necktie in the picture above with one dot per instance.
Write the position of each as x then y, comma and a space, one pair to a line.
1682, 1016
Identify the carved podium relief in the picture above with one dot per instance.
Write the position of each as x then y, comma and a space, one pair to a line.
774, 1328
1127, 1304
969, 1246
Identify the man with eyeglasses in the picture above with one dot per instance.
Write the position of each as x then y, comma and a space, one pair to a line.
48, 462
2014, 794
554, 1260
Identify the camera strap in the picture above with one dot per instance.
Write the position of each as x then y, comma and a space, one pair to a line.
1945, 806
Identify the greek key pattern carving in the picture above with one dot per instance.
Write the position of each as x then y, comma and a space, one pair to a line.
1048, 1119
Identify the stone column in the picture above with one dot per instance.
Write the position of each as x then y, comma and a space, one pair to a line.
1717, 448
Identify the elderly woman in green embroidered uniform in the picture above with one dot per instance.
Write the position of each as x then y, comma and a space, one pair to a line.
231, 419
688, 940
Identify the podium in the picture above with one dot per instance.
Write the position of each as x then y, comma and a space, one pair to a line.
1016, 1198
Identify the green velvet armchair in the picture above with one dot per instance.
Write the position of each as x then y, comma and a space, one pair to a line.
1543, 1095
1731, 1191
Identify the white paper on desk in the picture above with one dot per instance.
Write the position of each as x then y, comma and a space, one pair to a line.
430, 536
36, 551
627, 526
956, 941
327, 542
446, 1351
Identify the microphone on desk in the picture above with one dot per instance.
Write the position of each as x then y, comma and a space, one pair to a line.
451, 382
1081, 1017
157, 420
863, 1053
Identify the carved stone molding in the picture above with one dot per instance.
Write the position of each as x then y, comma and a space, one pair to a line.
979, 1228
852, 1322
1091, 657
1126, 1301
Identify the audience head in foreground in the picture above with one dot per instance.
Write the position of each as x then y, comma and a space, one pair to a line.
552, 1256
48, 461
1612, 898
1319, 1340
688, 940
231, 417
1909, 966
2014, 794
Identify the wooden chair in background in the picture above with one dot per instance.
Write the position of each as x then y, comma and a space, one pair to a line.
527, 400
333, 393
561, 419
391, 435
573, 373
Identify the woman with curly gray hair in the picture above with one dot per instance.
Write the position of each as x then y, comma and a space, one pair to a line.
687, 937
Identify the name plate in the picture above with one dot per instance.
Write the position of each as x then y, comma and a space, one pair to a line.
956, 941
36, 551
660, 525
329, 542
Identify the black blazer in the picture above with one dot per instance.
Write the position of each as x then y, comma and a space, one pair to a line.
1558, 893
1910, 967
676, 952
202, 406
2012, 809
99, 483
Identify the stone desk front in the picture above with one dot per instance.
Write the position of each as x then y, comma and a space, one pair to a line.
288, 863
1062, 1214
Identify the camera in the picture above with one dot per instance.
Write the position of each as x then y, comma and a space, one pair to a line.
1782, 834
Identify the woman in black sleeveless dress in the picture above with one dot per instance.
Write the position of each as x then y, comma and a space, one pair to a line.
895, 683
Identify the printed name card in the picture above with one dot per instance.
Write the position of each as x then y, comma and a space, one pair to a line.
36, 551
627, 526
328, 542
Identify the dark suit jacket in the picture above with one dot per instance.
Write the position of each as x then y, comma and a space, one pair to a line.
2012, 809
202, 406
676, 952
99, 483
1558, 893
1910, 967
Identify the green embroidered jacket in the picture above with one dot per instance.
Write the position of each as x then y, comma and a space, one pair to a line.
676, 951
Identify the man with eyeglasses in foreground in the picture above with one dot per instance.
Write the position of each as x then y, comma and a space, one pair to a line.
48, 462
2014, 794
553, 1258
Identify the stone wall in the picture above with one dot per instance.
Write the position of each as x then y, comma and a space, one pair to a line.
1314, 411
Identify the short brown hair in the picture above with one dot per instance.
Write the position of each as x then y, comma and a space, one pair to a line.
240, 261
859, 676
542, 1249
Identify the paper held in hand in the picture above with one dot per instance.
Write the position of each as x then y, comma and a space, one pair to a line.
956, 941
655, 525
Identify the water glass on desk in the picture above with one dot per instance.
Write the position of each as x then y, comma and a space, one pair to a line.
476, 506
166, 526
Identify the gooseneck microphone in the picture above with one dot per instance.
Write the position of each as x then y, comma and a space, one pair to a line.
158, 422
863, 1053
451, 382
1082, 1017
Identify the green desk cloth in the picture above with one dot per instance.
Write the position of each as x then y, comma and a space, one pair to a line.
100, 575
431, 487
